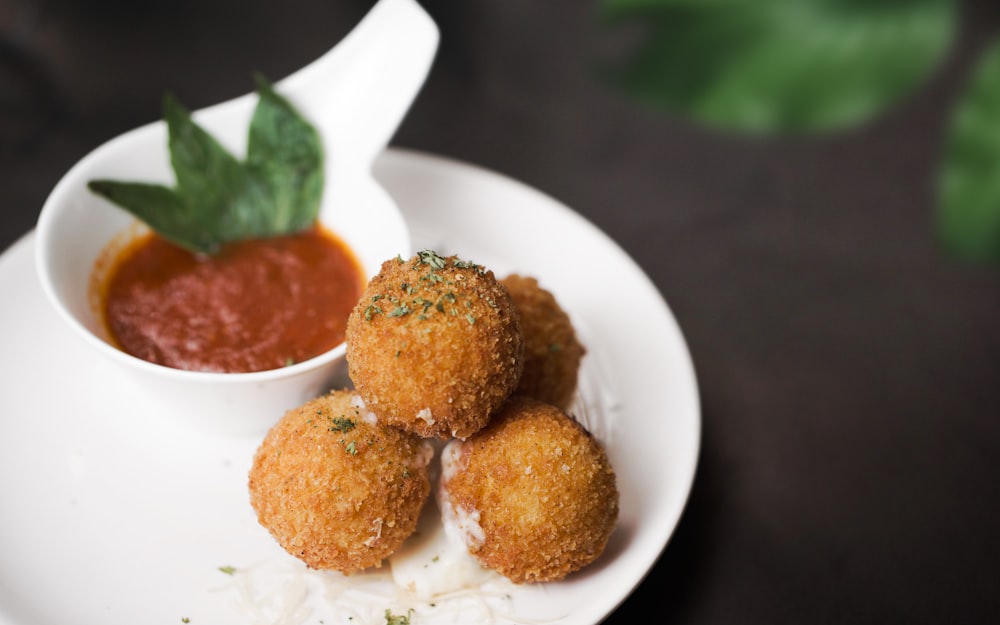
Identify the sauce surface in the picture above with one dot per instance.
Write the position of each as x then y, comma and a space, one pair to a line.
256, 305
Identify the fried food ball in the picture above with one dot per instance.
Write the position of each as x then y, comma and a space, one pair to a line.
552, 352
533, 494
434, 345
336, 489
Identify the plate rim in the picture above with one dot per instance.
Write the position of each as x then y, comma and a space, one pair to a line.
415, 157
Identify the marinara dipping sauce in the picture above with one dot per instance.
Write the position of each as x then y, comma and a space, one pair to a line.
256, 305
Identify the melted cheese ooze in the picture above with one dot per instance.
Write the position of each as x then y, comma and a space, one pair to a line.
435, 561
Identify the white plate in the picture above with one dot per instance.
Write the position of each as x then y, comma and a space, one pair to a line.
109, 515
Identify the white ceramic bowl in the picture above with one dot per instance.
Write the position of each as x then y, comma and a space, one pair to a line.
396, 42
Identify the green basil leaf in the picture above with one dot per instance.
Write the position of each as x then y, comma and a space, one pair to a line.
777, 65
285, 155
202, 167
218, 198
161, 208
969, 211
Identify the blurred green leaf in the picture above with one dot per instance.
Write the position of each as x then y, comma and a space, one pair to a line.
969, 216
778, 65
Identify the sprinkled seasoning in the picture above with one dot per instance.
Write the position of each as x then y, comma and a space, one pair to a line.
429, 257
394, 619
423, 298
342, 424
400, 310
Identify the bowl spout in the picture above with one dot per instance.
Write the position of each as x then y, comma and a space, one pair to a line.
358, 92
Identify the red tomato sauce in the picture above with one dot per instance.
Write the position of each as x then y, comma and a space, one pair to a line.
256, 305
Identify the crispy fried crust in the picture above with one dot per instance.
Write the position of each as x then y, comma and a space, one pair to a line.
552, 352
434, 345
336, 490
538, 488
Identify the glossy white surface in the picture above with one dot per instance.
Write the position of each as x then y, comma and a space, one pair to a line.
114, 516
355, 95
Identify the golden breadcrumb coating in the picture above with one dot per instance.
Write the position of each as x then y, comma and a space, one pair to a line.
335, 489
434, 345
552, 352
533, 492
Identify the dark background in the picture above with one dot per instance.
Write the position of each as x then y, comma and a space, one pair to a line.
849, 370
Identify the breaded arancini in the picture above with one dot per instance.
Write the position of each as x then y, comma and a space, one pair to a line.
552, 352
434, 345
533, 494
336, 489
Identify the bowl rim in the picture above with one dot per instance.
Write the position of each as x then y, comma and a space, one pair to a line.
61, 197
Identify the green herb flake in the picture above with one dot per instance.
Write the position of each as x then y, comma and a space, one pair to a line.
432, 258
228, 570
342, 424
400, 311
470, 318
424, 303
351, 448
465, 264
394, 619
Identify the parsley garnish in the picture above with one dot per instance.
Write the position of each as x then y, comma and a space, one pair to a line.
432, 258
393, 619
428, 263
342, 424
465, 264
